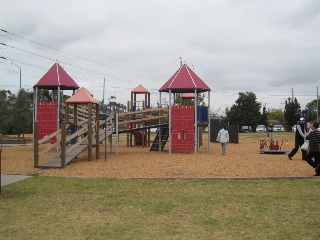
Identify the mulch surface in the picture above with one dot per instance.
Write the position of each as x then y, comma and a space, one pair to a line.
242, 160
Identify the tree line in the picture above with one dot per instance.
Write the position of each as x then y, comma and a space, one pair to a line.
16, 110
247, 111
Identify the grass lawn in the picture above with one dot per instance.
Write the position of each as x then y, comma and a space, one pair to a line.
91, 208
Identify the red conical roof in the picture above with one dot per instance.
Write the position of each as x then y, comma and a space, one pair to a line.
140, 89
55, 77
82, 96
184, 81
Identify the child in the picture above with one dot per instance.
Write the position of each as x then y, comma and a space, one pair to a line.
223, 138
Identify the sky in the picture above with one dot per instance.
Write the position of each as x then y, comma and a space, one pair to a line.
270, 48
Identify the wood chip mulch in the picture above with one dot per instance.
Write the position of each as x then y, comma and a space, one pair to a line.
242, 160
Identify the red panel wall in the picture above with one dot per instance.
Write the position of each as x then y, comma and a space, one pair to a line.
47, 119
182, 122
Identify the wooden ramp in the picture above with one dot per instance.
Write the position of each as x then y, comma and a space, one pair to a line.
55, 161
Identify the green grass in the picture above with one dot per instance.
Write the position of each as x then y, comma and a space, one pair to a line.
263, 135
78, 208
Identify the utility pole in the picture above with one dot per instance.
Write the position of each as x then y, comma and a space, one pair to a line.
19, 71
292, 93
104, 86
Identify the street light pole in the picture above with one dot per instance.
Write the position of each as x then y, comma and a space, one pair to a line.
19, 71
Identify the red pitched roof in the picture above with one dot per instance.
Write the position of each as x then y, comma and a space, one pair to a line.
184, 81
140, 89
57, 76
82, 96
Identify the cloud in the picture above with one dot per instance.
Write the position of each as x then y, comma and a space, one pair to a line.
266, 47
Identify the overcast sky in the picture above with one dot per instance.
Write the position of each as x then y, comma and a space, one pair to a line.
270, 48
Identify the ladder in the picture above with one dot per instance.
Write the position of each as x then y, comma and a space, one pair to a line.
164, 139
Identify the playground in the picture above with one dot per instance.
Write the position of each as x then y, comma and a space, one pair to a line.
74, 138
243, 160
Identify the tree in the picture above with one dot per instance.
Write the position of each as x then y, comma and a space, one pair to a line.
246, 111
114, 106
22, 109
290, 109
6, 116
264, 115
276, 114
44, 95
189, 102
312, 115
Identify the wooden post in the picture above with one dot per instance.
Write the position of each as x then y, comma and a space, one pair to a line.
127, 139
143, 132
110, 136
89, 131
75, 119
35, 145
97, 131
63, 143
66, 113
66, 117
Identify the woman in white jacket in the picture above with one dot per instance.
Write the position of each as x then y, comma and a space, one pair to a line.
223, 138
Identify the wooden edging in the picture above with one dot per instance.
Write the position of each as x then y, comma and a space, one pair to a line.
227, 178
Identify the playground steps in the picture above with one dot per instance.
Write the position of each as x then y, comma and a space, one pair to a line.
55, 161
164, 139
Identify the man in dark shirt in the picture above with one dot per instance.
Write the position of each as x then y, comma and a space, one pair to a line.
299, 140
314, 148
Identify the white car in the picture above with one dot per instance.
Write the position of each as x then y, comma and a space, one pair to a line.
294, 128
278, 128
261, 128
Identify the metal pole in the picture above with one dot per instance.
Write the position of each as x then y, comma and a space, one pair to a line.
195, 121
58, 110
104, 86
20, 78
317, 105
209, 130
105, 137
159, 130
170, 116
19, 72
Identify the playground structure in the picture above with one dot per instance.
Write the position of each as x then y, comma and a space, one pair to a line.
80, 125
183, 136
141, 137
89, 133
274, 146
81, 114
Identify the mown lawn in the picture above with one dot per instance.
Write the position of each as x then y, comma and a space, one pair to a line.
90, 208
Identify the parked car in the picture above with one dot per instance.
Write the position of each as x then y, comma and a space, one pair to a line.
294, 128
261, 128
278, 128
246, 129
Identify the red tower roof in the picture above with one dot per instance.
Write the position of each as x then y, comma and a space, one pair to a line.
184, 81
140, 89
55, 77
82, 96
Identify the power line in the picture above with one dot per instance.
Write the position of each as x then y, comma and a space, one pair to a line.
66, 63
75, 55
